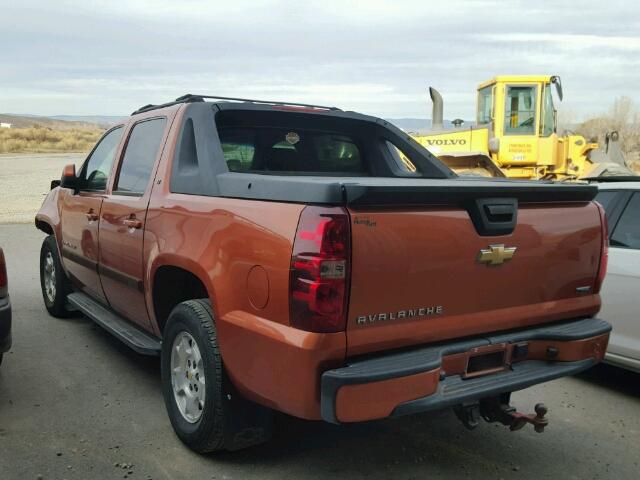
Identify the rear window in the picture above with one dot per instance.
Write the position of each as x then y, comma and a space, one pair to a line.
627, 231
282, 149
604, 198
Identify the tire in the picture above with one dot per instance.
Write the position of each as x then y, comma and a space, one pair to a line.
220, 419
56, 289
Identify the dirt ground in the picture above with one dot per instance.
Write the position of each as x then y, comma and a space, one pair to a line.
25, 180
75, 403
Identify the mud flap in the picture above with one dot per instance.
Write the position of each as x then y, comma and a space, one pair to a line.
247, 424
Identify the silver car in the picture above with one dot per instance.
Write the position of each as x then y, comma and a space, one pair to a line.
621, 289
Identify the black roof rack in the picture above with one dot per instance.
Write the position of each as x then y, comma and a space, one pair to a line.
189, 98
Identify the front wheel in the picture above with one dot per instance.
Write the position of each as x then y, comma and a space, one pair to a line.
53, 281
204, 409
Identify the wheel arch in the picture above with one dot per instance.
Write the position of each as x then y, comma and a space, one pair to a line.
48, 217
44, 226
174, 280
51, 226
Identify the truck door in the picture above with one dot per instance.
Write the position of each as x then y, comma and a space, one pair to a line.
122, 221
80, 214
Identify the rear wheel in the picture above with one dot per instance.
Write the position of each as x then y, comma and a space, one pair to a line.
53, 281
205, 411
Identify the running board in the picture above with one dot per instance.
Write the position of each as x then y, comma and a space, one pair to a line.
131, 335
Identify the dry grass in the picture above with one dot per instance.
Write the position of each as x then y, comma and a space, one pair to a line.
38, 139
624, 117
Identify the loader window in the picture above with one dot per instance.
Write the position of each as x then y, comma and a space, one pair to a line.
520, 112
548, 114
485, 105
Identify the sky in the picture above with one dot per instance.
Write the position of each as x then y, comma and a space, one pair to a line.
377, 57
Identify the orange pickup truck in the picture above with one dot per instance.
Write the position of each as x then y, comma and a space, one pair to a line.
321, 263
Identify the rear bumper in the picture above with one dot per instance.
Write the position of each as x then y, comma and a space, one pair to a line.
5, 324
433, 377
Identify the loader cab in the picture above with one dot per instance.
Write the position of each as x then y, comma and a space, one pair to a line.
520, 112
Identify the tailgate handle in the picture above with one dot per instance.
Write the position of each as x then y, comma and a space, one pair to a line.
493, 216
500, 213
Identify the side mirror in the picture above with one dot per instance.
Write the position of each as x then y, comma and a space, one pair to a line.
69, 179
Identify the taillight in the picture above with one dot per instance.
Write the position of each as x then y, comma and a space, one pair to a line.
3, 275
320, 270
604, 251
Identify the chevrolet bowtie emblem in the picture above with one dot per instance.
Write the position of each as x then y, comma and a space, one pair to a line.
496, 254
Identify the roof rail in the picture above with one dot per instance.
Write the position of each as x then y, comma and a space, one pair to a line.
189, 98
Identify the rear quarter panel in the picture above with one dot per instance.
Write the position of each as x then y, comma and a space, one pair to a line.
241, 251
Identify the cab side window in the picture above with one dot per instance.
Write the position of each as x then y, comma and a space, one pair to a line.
95, 173
140, 156
627, 231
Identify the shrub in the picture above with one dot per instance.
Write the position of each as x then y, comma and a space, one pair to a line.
39, 139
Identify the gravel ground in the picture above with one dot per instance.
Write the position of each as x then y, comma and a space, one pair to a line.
77, 404
25, 180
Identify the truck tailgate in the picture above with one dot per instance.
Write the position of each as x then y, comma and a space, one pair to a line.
417, 274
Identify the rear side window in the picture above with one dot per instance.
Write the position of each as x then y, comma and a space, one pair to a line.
96, 170
627, 231
605, 198
272, 149
140, 156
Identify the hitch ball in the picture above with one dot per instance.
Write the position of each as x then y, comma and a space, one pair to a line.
540, 421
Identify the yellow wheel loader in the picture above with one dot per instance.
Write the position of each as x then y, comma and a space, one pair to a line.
516, 136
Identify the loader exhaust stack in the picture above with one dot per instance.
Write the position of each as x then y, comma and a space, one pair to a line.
436, 113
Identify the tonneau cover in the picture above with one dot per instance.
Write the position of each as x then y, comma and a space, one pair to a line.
380, 191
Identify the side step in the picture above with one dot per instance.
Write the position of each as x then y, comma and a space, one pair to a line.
131, 335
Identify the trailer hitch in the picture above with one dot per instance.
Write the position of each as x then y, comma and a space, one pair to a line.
468, 414
495, 410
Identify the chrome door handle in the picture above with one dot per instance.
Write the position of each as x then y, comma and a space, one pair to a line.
91, 215
133, 223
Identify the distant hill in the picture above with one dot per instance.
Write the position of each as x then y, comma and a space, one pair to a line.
26, 121
99, 119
